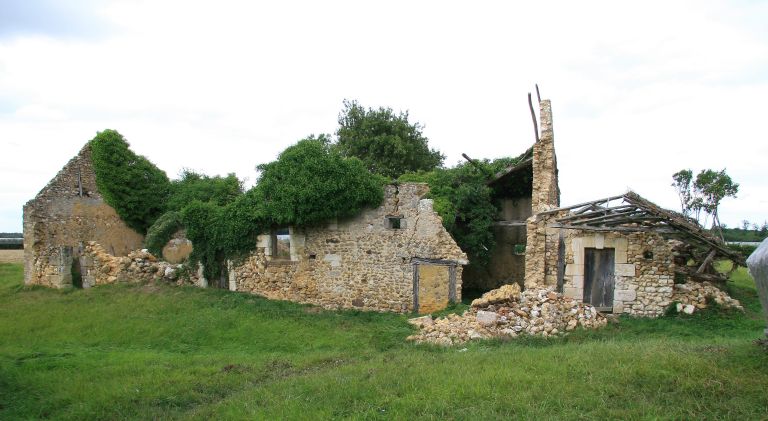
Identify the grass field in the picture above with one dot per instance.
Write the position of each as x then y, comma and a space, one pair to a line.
161, 352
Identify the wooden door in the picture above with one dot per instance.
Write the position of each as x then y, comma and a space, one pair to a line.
599, 277
434, 287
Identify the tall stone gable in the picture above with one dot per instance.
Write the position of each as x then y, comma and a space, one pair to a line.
546, 191
63, 217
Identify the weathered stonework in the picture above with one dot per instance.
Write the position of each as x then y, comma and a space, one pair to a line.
546, 191
63, 217
139, 266
362, 262
643, 268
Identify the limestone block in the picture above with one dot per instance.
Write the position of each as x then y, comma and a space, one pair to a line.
618, 307
599, 241
625, 295
333, 259
574, 269
588, 242
571, 292
578, 281
263, 241
625, 269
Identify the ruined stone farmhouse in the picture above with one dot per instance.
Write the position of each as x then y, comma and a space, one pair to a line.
397, 257
66, 214
620, 254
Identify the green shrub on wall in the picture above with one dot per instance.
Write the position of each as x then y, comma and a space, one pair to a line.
193, 186
130, 183
308, 184
311, 182
161, 232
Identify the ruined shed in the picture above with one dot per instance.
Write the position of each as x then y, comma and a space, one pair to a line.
62, 218
621, 254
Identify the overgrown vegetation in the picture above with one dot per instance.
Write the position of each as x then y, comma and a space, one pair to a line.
130, 183
465, 203
159, 352
386, 142
193, 186
308, 184
311, 182
161, 231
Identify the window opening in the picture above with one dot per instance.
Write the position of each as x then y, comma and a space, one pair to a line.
281, 244
394, 222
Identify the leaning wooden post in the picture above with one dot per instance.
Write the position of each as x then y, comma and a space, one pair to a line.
758, 268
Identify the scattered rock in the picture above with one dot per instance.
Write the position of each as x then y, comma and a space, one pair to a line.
487, 318
504, 294
692, 296
500, 314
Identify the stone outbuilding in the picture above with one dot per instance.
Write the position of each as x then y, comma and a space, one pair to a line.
67, 214
397, 257
621, 254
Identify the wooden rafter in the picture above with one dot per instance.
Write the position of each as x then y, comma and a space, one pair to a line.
631, 213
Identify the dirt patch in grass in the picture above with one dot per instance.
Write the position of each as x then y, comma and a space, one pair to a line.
11, 256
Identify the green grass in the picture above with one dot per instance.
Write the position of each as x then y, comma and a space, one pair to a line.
162, 352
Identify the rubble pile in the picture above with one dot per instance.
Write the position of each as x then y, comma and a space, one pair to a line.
507, 312
692, 296
138, 266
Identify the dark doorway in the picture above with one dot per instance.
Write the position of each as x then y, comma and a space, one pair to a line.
599, 277
77, 275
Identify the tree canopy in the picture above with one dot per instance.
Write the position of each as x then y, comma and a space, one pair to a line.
385, 141
311, 182
703, 193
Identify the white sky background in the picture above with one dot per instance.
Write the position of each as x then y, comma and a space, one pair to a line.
639, 90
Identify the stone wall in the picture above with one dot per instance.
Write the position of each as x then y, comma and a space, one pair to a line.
102, 268
362, 263
506, 265
542, 249
644, 269
546, 191
63, 217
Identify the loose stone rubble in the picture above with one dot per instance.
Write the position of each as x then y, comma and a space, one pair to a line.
138, 266
507, 312
692, 296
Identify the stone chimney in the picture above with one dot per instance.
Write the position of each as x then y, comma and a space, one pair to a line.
546, 191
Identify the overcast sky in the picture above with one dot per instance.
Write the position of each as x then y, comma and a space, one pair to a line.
639, 90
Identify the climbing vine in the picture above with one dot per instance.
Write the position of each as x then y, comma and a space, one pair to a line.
130, 183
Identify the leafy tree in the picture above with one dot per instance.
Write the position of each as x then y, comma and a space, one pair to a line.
386, 142
311, 182
704, 193
130, 183
682, 184
194, 186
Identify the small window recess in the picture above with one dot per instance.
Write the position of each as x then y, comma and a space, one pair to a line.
281, 244
648, 255
395, 222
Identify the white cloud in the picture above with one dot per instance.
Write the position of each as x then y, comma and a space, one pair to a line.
639, 90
